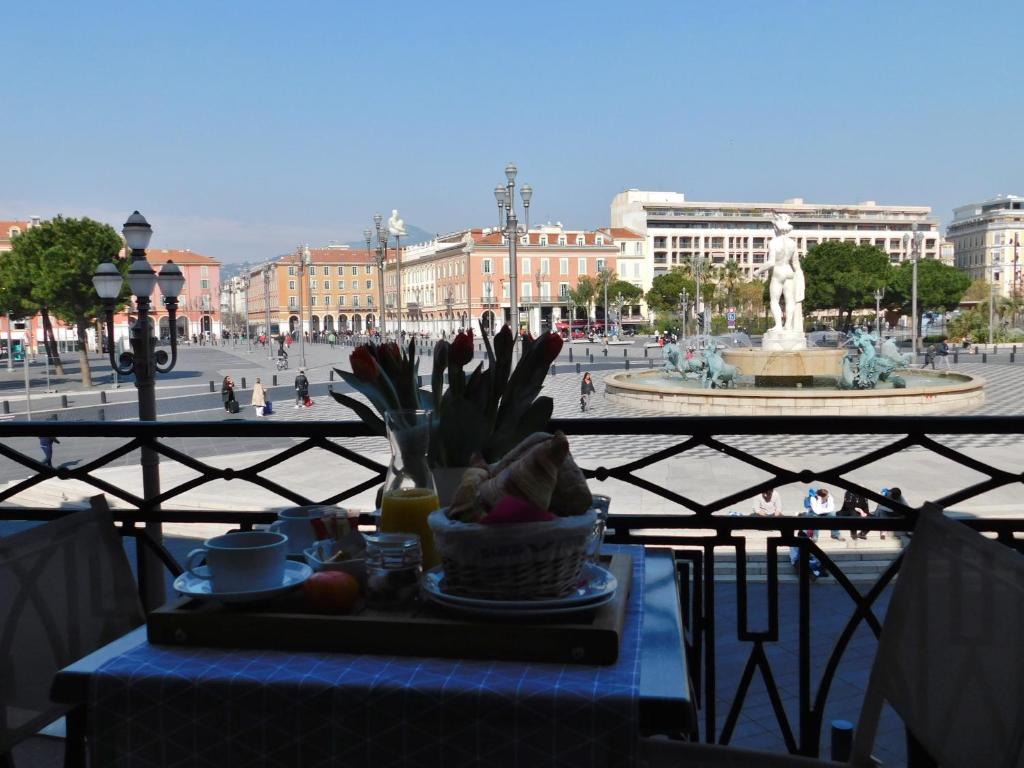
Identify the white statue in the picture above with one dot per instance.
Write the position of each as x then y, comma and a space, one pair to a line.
787, 277
395, 224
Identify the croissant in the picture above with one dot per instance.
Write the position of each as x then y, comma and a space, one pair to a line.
571, 495
533, 476
465, 505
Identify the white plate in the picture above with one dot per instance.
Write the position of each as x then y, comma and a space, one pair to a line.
515, 613
194, 586
597, 585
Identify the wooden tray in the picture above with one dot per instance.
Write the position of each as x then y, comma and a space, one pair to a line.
423, 629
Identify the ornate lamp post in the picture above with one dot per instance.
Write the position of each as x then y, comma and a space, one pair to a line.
684, 300
378, 258
381, 259
526, 193
448, 303
144, 361
879, 295
507, 221
572, 314
914, 243
245, 283
618, 313
305, 259
489, 302
269, 272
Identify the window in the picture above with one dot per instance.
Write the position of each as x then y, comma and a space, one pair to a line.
579, 240
545, 290
527, 290
504, 290
504, 266
341, 301
327, 301
369, 285
600, 265
327, 285
543, 239
355, 301
291, 270
545, 266
563, 266
327, 270
204, 271
204, 284
312, 301
487, 266
369, 269
369, 301
293, 303
563, 289
355, 270
600, 240
341, 270
527, 266
291, 285
581, 266
312, 284
561, 239
525, 240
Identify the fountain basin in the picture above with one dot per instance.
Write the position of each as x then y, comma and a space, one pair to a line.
926, 393
774, 367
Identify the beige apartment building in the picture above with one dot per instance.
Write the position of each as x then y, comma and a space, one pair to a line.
986, 241
678, 230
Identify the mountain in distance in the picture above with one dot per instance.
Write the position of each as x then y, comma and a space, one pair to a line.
414, 235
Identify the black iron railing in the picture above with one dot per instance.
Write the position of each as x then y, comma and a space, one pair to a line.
700, 531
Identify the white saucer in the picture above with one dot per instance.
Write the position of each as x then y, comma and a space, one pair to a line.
597, 587
201, 589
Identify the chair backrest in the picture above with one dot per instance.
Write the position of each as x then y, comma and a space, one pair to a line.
951, 655
66, 589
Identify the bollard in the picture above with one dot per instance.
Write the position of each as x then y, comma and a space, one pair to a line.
842, 740
103, 396
995, 350
605, 350
577, 373
650, 362
645, 351
102, 414
243, 382
275, 380
570, 353
7, 407
552, 369
330, 375
211, 387
984, 357
63, 401
625, 353
627, 363
1012, 356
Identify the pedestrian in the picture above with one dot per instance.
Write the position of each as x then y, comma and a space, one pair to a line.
943, 352
227, 395
855, 505
301, 389
259, 397
768, 504
929, 357
332, 339
813, 564
586, 390
46, 444
823, 505
883, 510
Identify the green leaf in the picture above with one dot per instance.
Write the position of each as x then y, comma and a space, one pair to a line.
364, 412
383, 398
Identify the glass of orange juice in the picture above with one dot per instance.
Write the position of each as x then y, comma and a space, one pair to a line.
409, 493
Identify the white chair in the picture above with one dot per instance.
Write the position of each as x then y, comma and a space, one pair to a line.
950, 660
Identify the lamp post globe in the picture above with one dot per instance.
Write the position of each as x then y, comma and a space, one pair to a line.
137, 232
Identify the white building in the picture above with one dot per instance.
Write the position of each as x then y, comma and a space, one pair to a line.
986, 240
677, 231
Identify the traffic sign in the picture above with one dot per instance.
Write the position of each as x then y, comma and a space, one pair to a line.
730, 317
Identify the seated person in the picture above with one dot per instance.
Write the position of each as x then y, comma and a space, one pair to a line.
768, 504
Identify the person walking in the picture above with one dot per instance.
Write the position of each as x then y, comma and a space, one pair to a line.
46, 444
227, 395
332, 339
301, 389
259, 397
586, 390
943, 352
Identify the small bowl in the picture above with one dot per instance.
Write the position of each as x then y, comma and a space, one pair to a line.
355, 567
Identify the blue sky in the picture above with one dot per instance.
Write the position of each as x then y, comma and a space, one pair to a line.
241, 129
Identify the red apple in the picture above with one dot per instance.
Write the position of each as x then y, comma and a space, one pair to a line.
331, 592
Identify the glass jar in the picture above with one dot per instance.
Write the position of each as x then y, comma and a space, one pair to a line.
409, 493
394, 564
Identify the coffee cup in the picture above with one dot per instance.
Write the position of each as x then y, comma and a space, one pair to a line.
241, 562
296, 524
600, 505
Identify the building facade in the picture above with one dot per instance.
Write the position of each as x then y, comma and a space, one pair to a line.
678, 231
461, 279
987, 239
14, 331
336, 292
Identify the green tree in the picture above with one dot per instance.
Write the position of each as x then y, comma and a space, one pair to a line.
978, 290
844, 276
59, 258
939, 286
629, 291
663, 297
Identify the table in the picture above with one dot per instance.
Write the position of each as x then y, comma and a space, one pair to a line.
664, 704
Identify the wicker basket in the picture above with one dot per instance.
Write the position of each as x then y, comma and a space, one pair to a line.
512, 562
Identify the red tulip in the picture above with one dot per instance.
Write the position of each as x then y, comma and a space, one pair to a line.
462, 349
364, 364
552, 346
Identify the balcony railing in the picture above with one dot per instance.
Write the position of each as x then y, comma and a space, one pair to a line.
705, 537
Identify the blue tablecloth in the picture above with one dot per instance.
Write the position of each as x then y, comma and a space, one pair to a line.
169, 706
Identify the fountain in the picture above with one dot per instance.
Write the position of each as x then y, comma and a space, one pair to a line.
836, 376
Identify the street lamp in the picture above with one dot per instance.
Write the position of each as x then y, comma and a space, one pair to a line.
269, 272
378, 259
305, 260
684, 300
505, 197
448, 303
879, 295
143, 362
526, 193
488, 294
914, 243
246, 281
618, 315
381, 259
